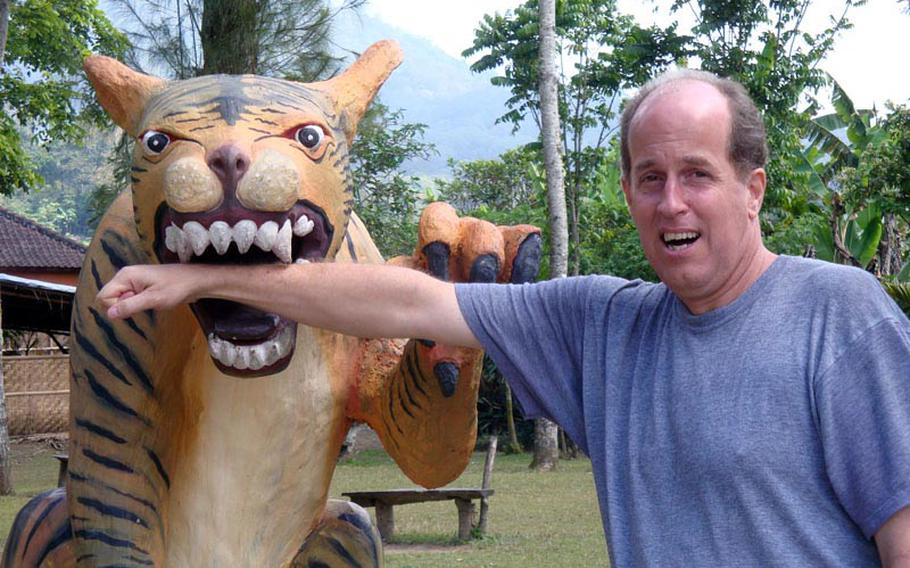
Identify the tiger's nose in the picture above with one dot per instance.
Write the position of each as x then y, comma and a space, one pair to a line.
229, 162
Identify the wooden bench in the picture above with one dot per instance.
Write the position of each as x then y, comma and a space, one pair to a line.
384, 501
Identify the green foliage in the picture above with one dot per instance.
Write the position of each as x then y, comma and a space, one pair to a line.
41, 86
882, 177
278, 38
387, 199
70, 171
765, 46
900, 291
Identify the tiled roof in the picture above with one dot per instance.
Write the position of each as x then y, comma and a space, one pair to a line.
25, 244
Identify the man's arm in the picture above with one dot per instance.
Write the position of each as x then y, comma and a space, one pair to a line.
360, 300
893, 540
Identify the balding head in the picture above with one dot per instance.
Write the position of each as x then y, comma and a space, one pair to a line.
748, 146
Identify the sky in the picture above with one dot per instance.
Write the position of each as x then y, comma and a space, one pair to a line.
869, 61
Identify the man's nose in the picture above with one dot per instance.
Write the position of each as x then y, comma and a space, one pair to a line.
673, 199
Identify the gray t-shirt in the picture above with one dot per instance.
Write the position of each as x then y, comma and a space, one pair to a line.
774, 431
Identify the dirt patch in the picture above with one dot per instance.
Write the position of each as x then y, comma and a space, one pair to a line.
410, 548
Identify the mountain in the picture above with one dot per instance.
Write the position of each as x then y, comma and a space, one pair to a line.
459, 107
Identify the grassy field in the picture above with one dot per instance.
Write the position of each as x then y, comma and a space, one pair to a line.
535, 519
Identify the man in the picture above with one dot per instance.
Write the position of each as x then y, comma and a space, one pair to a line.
750, 410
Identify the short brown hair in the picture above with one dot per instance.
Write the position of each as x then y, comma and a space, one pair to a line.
748, 146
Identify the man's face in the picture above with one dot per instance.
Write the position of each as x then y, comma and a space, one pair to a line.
696, 215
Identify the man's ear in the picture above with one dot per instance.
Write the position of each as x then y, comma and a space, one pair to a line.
756, 187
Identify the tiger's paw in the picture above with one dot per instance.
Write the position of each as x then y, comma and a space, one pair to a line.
466, 249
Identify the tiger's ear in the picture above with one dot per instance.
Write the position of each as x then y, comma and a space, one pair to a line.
354, 89
121, 91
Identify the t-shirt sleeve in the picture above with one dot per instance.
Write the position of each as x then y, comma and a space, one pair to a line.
863, 405
535, 335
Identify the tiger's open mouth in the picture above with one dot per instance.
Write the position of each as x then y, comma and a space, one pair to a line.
244, 341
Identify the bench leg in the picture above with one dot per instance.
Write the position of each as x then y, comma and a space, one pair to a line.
465, 518
385, 521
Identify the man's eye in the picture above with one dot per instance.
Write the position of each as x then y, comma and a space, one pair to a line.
155, 142
310, 136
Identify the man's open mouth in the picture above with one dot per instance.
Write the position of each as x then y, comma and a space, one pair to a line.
244, 341
679, 241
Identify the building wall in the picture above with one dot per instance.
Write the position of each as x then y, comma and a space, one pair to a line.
68, 278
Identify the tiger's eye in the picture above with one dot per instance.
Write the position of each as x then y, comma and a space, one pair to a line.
155, 142
310, 136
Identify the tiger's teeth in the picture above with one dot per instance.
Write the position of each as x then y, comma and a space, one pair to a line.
184, 248
265, 236
301, 261
228, 355
197, 236
282, 246
253, 357
303, 226
172, 236
220, 233
244, 233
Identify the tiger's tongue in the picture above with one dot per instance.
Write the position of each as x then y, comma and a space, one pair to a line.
236, 322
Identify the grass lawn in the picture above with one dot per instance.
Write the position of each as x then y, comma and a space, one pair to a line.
535, 519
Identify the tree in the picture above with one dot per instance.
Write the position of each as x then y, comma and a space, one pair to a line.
277, 38
42, 45
764, 46
387, 199
546, 433
601, 53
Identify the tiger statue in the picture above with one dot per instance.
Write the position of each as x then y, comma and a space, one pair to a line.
208, 435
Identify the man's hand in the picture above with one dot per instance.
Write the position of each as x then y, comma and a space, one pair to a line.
150, 287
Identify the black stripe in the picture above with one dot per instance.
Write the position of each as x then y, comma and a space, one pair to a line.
261, 131
90, 349
108, 539
53, 502
75, 476
272, 110
190, 120
350, 202
392, 413
137, 561
131, 323
400, 399
390, 437
110, 400
264, 121
62, 535
351, 251
103, 432
115, 257
125, 353
202, 128
159, 466
112, 511
139, 170
134, 179
96, 276
407, 390
414, 369
342, 551
107, 462
84, 557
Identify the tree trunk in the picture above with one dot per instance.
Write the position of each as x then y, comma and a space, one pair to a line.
4, 29
514, 444
889, 248
229, 36
546, 446
6, 480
